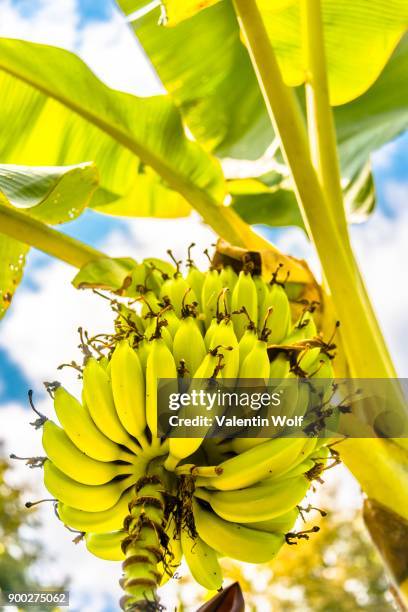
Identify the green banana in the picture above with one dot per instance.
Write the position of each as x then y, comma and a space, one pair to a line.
160, 364
93, 498
280, 524
260, 502
256, 363
106, 545
82, 431
151, 332
96, 522
195, 279
244, 295
279, 320
247, 342
183, 447
202, 561
189, 345
279, 367
228, 280
270, 458
209, 295
128, 389
224, 337
234, 540
179, 293
75, 464
98, 397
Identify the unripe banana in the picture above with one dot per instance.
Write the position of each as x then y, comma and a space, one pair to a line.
279, 367
82, 431
179, 293
241, 445
142, 350
228, 280
93, 498
210, 333
150, 306
195, 279
128, 389
279, 319
256, 363
160, 364
106, 545
280, 524
173, 322
202, 561
209, 295
75, 464
151, 332
224, 336
244, 295
270, 458
262, 290
305, 329
260, 502
234, 540
98, 397
247, 343
179, 448
96, 522
189, 345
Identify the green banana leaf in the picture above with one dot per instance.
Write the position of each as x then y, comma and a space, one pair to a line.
270, 199
359, 38
52, 195
62, 113
199, 61
207, 71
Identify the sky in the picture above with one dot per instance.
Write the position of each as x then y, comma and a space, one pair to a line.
39, 331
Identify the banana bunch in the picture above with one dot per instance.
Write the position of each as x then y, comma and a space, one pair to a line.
147, 500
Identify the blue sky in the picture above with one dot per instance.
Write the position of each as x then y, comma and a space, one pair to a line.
39, 331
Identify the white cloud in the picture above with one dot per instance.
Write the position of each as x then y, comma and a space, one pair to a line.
53, 23
383, 158
114, 54
109, 47
382, 249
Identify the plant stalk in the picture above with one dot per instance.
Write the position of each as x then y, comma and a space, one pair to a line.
365, 353
24, 228
322, 133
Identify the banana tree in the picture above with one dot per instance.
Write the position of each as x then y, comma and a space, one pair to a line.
283, 118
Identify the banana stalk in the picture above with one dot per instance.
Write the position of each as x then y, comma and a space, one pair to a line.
143, 546
341, 271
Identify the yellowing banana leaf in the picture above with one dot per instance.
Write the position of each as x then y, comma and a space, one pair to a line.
52, 195
62, 113
146, 197
175, 11
359, 38
104, 273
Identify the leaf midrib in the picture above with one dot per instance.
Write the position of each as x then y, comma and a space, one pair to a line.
178, 182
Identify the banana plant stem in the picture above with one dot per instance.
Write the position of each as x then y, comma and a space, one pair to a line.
24, 228
322, 134
365, 353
